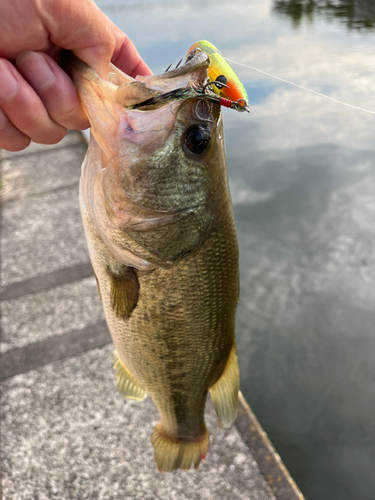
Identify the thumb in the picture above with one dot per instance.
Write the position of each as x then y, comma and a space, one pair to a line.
82, 28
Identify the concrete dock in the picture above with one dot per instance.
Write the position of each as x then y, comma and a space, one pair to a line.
66, 433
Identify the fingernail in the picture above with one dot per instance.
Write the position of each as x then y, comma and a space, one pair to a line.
8, 84
36, 70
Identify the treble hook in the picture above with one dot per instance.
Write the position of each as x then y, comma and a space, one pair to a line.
215, 82
197, 115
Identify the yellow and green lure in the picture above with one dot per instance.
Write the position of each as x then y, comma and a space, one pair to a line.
234, 95
226, 89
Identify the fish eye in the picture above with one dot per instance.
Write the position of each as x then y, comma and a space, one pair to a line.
197, 139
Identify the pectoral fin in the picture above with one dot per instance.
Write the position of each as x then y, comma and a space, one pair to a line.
127, 385
224, 392
124, 291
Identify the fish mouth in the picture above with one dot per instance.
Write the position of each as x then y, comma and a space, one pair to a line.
116, 106
192, 75
183, 82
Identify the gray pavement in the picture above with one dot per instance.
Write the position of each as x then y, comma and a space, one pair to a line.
38, 316
69, 434
65, 431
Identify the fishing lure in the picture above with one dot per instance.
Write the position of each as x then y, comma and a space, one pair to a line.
224, 87
220, 71
173, 95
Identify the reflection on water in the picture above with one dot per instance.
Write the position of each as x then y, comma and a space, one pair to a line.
302, 176
355, 14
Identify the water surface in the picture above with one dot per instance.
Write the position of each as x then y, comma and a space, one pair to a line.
302, 175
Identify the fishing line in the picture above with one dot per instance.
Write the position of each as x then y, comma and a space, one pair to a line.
300, 87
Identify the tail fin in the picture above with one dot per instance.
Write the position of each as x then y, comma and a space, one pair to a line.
171, 455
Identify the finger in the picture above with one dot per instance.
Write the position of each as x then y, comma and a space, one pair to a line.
127, 58
85, 30
55, 89
80, 26
11, 138
24, 108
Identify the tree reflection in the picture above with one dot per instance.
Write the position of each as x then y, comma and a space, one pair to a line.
356, 14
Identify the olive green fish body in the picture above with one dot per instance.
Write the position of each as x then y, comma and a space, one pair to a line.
178, 338
160, 229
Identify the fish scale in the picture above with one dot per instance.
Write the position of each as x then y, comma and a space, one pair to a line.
169, 327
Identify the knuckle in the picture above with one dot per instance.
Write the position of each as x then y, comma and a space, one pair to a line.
28, 123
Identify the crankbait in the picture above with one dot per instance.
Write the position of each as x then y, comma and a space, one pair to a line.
233, 94
223, 88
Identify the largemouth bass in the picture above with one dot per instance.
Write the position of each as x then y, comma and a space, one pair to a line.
159, 223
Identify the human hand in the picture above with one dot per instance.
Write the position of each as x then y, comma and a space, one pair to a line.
38, 100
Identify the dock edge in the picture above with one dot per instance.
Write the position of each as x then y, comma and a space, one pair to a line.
268, 460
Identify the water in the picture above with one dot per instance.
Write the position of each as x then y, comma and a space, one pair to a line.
302, 174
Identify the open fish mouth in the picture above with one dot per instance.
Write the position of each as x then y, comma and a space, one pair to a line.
187, 81
144, 92
183, 82
115, 105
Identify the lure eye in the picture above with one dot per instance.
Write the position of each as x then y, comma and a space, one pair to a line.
222, 79
197, 139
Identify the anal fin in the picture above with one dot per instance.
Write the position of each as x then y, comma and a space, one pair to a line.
127, 385
124, 291
224, 392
